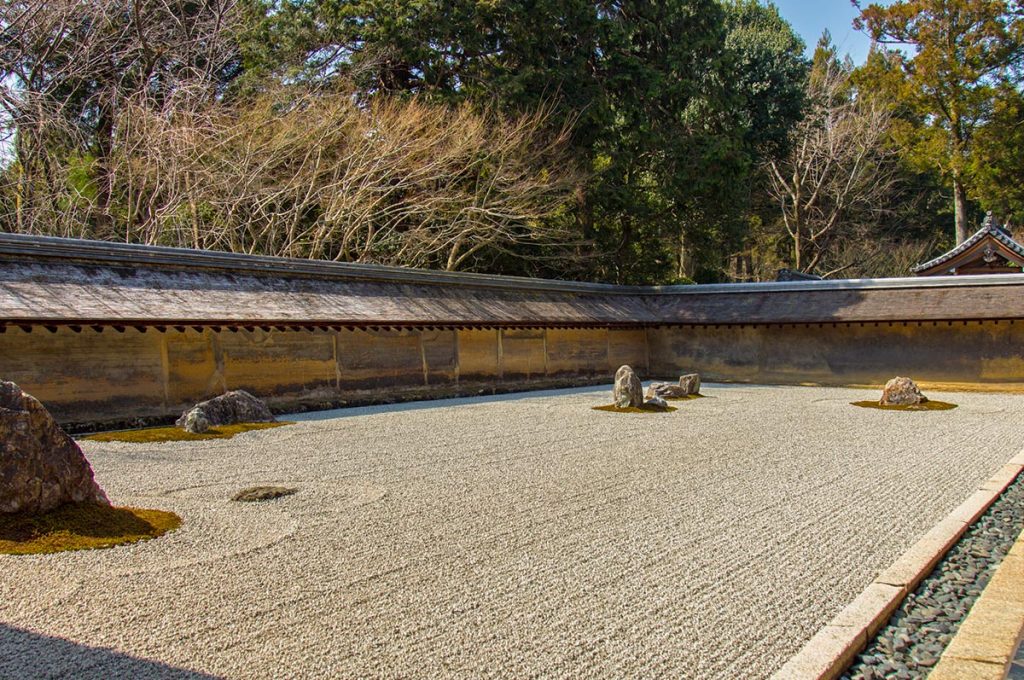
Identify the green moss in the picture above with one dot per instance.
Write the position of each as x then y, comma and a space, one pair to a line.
81, 526
924, 406
611, 408
262, 493
176, 434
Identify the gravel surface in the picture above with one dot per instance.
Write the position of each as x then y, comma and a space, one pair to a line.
910, 644
505, 537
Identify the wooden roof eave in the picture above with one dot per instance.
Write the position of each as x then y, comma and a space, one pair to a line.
972, 254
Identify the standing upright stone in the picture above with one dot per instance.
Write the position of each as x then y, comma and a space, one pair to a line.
690, 383
41, 467
901, 392
628, 390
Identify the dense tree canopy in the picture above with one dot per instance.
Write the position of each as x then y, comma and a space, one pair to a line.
965, 53
626, 141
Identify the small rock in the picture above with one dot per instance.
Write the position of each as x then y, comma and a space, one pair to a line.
196, 422
901, 392
262, 493
656, 404
690, 383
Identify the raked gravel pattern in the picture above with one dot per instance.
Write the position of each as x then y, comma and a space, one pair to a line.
512, 537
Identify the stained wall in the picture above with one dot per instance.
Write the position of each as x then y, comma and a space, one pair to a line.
111, 376
970, 354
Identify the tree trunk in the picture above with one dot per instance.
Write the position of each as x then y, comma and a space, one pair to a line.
104, 149
960, 208
686, 258
797, 248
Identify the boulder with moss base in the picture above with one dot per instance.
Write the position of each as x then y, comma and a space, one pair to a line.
628, 390
41, 467
230, 408
902, 391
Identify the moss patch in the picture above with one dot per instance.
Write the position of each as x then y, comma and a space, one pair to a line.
611, 408
262, 493
176, 434
81, 526
925, 406
688, 397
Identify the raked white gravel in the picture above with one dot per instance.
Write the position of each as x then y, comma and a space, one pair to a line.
512, 537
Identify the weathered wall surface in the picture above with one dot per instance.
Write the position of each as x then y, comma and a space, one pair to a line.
968, 353
92, 377
123, 332
109, 376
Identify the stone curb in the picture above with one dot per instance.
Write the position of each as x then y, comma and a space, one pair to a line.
833, 648
984, 646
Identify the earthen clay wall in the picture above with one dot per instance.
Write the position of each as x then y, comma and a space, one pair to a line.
958, 354
115, 377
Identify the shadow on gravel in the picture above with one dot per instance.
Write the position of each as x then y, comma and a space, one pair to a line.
24, 654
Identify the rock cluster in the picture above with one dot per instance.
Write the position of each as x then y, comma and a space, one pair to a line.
41, 467
688, 385
229, 408
629, 392
917, 634
901, 392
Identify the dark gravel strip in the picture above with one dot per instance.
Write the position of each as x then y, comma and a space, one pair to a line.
914, 638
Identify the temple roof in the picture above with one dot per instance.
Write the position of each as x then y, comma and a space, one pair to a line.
972, 251
65, 282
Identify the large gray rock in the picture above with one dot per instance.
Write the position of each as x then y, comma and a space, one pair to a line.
41, 467
690, 383
229, 408
901, 392
628, 390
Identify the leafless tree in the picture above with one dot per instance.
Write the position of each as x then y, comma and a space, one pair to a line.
119, 130
839, 176
68, 69
317, 175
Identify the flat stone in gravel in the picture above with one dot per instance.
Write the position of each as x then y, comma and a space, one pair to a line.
505, 537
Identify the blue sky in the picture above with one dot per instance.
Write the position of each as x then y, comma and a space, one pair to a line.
811, 17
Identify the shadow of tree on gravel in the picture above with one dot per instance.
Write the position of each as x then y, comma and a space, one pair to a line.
25, 654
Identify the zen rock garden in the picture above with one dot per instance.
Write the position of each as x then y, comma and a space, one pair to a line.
903, 394
49, 498
356, 469
628, 392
